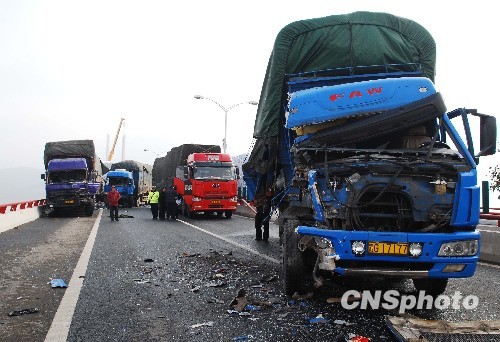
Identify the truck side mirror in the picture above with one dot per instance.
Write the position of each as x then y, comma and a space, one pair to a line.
42, 176
488, 135
237, 172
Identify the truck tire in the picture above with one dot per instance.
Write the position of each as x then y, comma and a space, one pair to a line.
293, 260
89, 209
228, 214
431, 286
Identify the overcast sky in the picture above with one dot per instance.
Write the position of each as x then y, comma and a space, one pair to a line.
72, 69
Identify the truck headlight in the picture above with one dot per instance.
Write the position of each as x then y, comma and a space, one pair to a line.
196, 199
415, 249
358, 247
459, 248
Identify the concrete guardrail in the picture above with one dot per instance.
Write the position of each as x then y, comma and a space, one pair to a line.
16, 214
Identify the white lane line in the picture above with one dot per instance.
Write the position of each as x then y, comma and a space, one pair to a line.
489, 265
489, 231
232, 242
62, 320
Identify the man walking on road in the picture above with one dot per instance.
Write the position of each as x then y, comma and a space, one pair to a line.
153, 198
113, 198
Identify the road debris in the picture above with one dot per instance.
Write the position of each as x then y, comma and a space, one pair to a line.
243, 338
298, 296
23, 312
206, 324
58, 283
319, 319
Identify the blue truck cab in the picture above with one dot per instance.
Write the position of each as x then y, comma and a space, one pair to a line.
364, 162
123, 181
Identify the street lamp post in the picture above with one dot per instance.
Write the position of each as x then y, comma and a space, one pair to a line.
224, 141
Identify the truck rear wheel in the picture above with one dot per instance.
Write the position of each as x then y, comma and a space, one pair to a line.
293, 260
431, 286
89, 209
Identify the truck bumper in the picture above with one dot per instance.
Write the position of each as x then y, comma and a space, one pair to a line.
214, 205
426, 265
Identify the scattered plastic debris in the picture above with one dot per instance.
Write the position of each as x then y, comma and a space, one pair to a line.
251, 307
148, 260
58, 283
350, 299
196, 289
216, 284
319, 319
245, 313
298, 296
354, 338
269, 278
243, 338
189, 255
23, 312
341, 322
258, 286
215, 300
207, 324
125, 216
140, 281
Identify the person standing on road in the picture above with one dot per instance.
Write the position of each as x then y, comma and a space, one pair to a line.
113, 198
171, 196
153, 198
162, 204
263, 216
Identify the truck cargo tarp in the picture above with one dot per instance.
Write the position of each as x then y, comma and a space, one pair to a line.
339, 41
164, 168
131, 166
69, 149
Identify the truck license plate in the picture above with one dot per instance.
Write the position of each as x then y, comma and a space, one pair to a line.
388, 248
69, 201
215, 202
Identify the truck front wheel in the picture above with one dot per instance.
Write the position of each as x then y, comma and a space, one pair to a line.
431, 286
293, 260
228, 214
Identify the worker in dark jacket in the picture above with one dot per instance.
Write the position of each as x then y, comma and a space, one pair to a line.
113, 197
171, 196
162, 203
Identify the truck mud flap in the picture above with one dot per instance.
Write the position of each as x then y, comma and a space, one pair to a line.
416, 113
414, 329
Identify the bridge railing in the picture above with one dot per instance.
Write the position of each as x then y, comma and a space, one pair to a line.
18, 213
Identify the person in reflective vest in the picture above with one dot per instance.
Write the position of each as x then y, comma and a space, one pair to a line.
153, 198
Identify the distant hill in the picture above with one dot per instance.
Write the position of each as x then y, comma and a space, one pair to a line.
21, 184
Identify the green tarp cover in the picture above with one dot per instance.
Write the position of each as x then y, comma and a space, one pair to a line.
339, 41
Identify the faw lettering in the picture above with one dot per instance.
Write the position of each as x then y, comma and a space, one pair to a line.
212, 157
335, 97
374, 91
356, 93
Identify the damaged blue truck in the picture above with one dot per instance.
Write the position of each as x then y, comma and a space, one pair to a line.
356, 150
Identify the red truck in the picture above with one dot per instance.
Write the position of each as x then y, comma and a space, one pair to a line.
208, 183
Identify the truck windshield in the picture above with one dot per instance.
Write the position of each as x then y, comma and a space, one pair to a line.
209, 172
67, 176
118, 181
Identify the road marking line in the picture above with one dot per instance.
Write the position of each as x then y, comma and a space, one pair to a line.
232, 242
489, 231
488, 265
59, 328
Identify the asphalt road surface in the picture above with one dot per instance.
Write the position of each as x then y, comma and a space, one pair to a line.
151, 280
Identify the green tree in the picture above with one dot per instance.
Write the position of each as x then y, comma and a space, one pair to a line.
495, 177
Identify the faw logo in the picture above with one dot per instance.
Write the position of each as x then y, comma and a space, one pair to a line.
212, 157
356, 93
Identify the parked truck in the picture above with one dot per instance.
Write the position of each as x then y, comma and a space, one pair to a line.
132, 180
207, 183
357, 152
72, 176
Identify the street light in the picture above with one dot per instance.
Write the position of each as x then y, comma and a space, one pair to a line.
157, 154
224, 141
